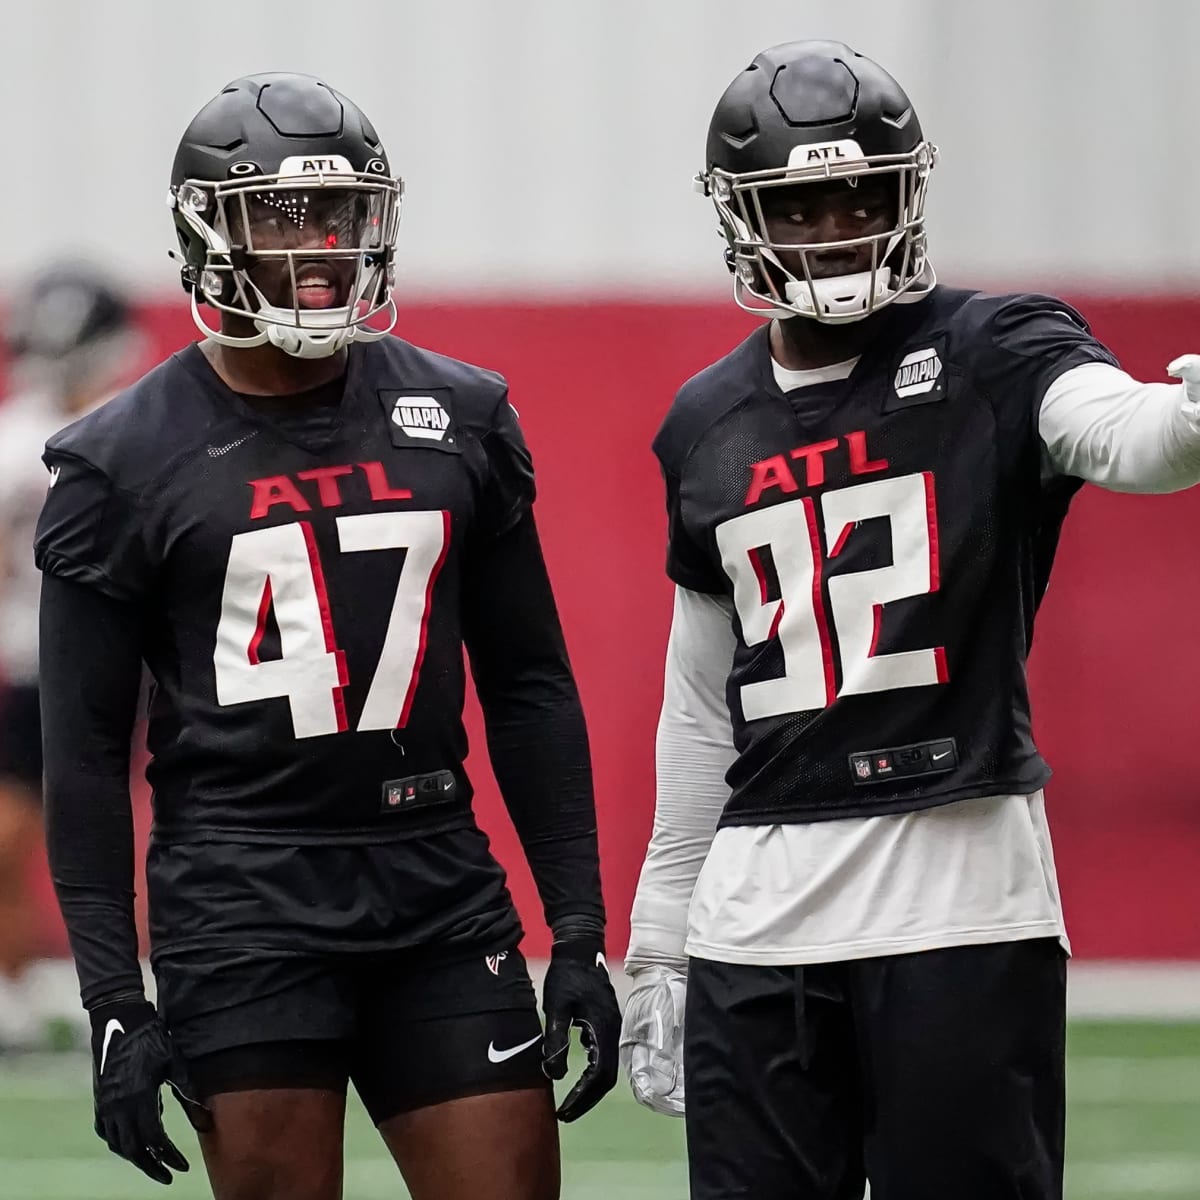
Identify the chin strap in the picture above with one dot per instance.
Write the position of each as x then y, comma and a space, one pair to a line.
840, 297
298, 341
304, 343
799, 298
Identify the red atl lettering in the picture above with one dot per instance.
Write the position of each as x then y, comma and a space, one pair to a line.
774, 472
276, 489
327, 483
281, 489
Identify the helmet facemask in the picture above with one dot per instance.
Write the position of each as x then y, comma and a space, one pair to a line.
765, 282
307, 258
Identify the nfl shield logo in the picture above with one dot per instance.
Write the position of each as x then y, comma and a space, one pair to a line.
493, 961
862, 768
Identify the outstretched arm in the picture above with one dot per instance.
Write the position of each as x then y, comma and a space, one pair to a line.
1100, 424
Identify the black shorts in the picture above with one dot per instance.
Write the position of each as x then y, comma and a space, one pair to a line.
406, 1029
21, 736
938, 1074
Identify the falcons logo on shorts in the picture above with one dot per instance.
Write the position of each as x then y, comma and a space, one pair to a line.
494, 960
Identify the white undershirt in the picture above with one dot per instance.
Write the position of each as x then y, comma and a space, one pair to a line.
965, 873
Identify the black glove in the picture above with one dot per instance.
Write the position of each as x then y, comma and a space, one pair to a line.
132, 1058
577, 991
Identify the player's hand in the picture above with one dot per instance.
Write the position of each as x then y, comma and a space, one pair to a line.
132, 1058
579, 992
1187, 368
652, 1039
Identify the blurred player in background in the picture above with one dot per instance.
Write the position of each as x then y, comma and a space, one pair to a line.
850, 876
298, 524
70, 343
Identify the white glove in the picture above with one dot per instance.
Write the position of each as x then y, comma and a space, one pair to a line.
652, 1038
1187, 368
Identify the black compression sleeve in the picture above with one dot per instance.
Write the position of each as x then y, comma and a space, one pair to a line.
536, 734
90, 672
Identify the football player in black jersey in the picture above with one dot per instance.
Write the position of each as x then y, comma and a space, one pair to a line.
847, 938
297, 524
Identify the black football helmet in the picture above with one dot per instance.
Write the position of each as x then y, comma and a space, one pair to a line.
291, 147
69, 330
813, 111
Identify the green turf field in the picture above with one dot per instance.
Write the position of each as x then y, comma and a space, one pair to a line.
1134, 1132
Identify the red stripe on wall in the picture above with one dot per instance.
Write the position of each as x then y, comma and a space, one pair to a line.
1115, 666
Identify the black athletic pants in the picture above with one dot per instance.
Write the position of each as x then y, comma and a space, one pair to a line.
937, 1076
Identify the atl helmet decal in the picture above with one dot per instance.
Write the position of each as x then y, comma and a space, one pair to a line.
300, 165
808, 154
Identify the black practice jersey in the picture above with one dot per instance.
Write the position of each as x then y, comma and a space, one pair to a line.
885, 540
301, 583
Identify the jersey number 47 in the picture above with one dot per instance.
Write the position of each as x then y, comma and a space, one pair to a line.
279, 570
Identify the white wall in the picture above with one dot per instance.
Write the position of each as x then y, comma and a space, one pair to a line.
549, 144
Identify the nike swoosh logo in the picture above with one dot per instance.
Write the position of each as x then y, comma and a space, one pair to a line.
217, 451
54, 475
114, 1026
499, 1056
944, 754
